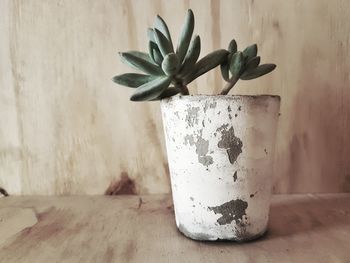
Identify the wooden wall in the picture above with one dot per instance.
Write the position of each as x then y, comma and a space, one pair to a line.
65, 128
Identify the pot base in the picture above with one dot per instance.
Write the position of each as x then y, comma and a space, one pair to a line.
207, 237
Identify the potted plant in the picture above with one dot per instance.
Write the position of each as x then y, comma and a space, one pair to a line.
219, 147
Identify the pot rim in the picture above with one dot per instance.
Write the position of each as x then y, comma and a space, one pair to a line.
207, 96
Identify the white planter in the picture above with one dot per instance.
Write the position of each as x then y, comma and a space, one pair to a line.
220, 151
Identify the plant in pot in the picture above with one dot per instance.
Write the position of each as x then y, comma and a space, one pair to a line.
219, 147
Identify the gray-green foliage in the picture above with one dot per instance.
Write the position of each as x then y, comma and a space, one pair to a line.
242, 65
168, 70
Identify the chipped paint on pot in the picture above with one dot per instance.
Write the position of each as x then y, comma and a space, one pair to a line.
220, 151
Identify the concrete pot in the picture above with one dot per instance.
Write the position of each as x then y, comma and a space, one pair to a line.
220, 152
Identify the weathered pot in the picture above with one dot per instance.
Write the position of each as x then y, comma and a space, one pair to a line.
220, 151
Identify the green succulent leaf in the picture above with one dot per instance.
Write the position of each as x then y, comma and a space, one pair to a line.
141, 61
169, 92
252, 63
251, 51
151, 90
154, 52
191, 56
186, 35
163, 28
150, 35
225, 71
150, 50
141, 55
232, 47
133, 80
157, 56
163, 43
237, 64
170, 64
258, 72
225, 68
207, 63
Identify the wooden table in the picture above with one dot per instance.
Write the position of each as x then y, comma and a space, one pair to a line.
303, 228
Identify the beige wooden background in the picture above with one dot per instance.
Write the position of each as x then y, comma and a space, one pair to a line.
65, 128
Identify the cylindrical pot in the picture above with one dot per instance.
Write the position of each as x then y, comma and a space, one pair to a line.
220, 151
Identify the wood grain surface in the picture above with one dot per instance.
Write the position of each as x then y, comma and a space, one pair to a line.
65, 128
302, 228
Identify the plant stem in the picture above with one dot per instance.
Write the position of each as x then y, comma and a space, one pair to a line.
229, 85
184, 90
179, 84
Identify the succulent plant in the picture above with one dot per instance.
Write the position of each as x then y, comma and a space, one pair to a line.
242, 65
167, 72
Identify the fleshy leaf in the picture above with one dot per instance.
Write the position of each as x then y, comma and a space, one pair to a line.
155, 53
169, 92
140, 54
207, 63
150, 35
150, 50
236, 64
162, 27
163, 43
258, 72
151, 90
170, 64
251, 51
185, 37
191, 56
225, 68
141, 61
252, 63
132, 80
157, 56
232, 47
